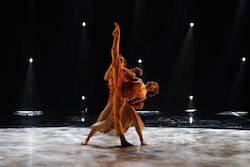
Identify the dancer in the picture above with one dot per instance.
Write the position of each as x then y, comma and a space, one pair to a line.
125, 91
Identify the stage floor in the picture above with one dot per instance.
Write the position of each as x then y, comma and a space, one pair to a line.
60, 146
181, 119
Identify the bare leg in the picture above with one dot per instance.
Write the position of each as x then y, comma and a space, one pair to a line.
137, 124
116, 100
117, 120
92, 133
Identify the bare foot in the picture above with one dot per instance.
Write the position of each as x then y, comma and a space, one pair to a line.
84, 143
143, 143
116, 32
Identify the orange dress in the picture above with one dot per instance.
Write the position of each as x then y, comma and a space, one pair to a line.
105, 123
121, 79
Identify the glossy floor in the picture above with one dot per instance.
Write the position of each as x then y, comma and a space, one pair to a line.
166, 147
198, 119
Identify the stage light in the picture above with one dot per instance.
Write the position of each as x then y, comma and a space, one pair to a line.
29, 113
191, 24
191, 120
191, 107
84, 24
191, 110
243, 59
139, 61
31, 60
148, 112
83, 97
191, 97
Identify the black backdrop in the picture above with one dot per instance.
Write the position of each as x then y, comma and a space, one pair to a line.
70, 60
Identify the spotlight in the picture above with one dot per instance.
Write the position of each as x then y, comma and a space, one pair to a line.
191, 24
83, 97
84, 24
31, 60
191, 120
139, 61
191, 97
243, 59
191, 110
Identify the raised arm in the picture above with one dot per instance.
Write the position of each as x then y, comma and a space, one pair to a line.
136, 69
129, 73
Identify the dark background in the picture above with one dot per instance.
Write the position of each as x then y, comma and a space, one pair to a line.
70, 60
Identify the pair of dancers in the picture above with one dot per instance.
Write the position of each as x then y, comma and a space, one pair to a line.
126, 94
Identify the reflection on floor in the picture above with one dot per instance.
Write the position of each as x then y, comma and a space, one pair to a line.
166, 147
225, 120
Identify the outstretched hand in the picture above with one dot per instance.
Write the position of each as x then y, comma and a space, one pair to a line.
139, 106
136, 69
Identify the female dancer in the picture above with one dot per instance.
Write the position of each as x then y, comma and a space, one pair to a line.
125, 91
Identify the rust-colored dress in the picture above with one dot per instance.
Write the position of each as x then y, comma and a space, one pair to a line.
105, 123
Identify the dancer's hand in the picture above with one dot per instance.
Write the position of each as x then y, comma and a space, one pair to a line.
139, 106
140, 71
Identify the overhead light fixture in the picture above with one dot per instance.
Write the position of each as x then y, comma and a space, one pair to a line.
139, 61
191, 97
243, 59
31, 60
83, 97
191, 24
84, 24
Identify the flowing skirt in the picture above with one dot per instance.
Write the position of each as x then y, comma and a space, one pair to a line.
105, 123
